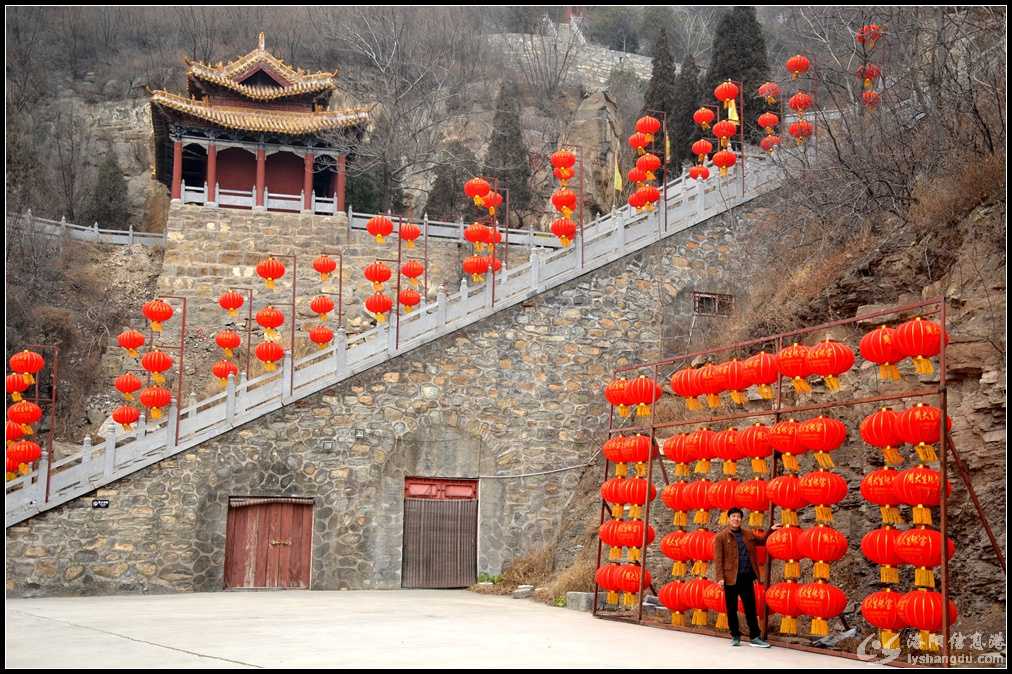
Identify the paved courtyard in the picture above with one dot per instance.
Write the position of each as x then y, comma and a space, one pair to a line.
409, 628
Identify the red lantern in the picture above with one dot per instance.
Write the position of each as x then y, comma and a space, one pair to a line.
231, 301
881, 610
650, 196
768, 143
821, 601
409, 299
699, 544
751, 495
493, 200
882, 347
476, 189
324, 266
700, 443
127, 384
782, 598
763, 370
785, 492
801, 130
784, 439
322, 305
714, 600
769, 91
685, 384
409, 231
636, 200
698, 172
675, 497
645, 392
564, 201
793, 363
726, 92
721, 496
823, 545
724, 130
16, 385
822, 489
14, 431
829, 359
156, 362
155, 399
632, 581
879, 487
868, 35
704, 117
321, 335
649, 163
871, 99
25, 413
222, 369
754, 442
157, 311
630, 535
565, 230
476, 234
919, 487
412, 269
920, 426
725, 447
131, 340
784, 544
126, 416
606, 577
638, 141
476, 266
697, 495
675, 449
922, 610
270, 270
379, 306
228, 340
648, 126
879, 546
614, 393
922, 547
712, 382
724, 160
21, 454
920, 340
822, 435
670, 596
566, 159
797, 65
800, 102
378, 227
270, 319
868, 74
636, 175
768, 121
269, 353
378, 273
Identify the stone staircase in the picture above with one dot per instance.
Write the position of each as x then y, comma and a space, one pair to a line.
606, 239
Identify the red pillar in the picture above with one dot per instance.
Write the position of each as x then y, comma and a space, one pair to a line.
307, 183
212, 173
341, 180
261, 162
177, 170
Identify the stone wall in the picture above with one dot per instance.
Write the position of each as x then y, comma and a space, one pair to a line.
503, 400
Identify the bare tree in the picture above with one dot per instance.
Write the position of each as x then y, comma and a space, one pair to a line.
546, 56
71, 145
198, 30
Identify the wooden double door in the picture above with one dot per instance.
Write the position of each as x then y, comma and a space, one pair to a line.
268, 543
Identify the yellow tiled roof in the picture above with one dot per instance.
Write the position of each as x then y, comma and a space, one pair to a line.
275, 121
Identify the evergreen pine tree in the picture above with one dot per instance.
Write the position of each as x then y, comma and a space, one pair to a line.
662, 91
739, 53
681, 128
108, 203
507, 160
447, 200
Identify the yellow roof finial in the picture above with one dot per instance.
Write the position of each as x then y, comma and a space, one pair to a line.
260, 42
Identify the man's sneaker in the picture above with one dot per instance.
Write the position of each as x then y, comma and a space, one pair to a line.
735, 641
758, 643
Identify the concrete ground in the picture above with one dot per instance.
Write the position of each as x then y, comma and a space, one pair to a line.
408, 628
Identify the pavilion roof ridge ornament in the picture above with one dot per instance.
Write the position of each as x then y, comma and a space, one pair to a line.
232, 72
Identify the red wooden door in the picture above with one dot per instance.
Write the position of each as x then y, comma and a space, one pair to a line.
268, 543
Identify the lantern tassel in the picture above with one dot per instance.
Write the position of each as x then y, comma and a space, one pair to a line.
892, 455
890, 515
222, 382
324, 276
789, 518
128, 396
926, 453
759, 466
270, 282
820, 571
713, 400
890, 640
678, 619
823, 513
623, 411
127, 427
698, 617
766, 391
924, 577
616, 511
722, 520
634, 554
681, 518
792, 569
612, 597
922, 515
26, 429
228, 353
702, 517
703, 466
801, 385
615, 553
643, 410
379, 239
381, 318
788, 625
692, 404
16, 397
889, 574
411, 244
641, 469
156, 413
824, 460
730, 468
635, 511
621, 470
832, 383
270, 366
923, 365
681, 470
738, 397
158, 378
156, 326
755, 519
133, 353
791, 462
721, 623
679, 568
10, 475
820, 627
927, 643
235, 312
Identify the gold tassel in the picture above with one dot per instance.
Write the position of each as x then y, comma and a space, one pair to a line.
923, 365
270, 282
730, 468
889, 574
156, 413
721, 623
29, 379
755, 518
27, 430
616, 511
641, 469
133, 353
894, 372
16, 397
381, 318
704, 567
722, 520
678, 619
927, 643
702, 517
24, 469
823, 513
614, 553
621, 470
156, 326
634, 554
924, 577
824, 460
158, 378
11, 476
270, 366
791, 462
922, 515
635, 511
623, 411
379, 239
892, 455
832, 383
792, 569
820, 571
681, 519
411, 244
801, 385
642, 410
890, 640
789, 518
228, 353
788, 625
699, 617
713, 400
703, 466
759, 466
926, 453
692, 404
820, 627
682, 470
766, 391
679, 568
894, 515
612, 597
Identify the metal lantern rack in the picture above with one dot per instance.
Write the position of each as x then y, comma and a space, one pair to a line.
932, 307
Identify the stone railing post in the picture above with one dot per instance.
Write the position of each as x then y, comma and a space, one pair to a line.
535, 268
42, 479
172, 424
700, 198
441, 306
287, 374
341, 354
142, 426
130, 235
230, 400
391, 334
487, 290
240, 395
110, 452
86, 450
94, 230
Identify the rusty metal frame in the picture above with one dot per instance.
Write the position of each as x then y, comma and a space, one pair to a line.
931, 307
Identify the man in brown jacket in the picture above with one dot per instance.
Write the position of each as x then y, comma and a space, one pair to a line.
735, 567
